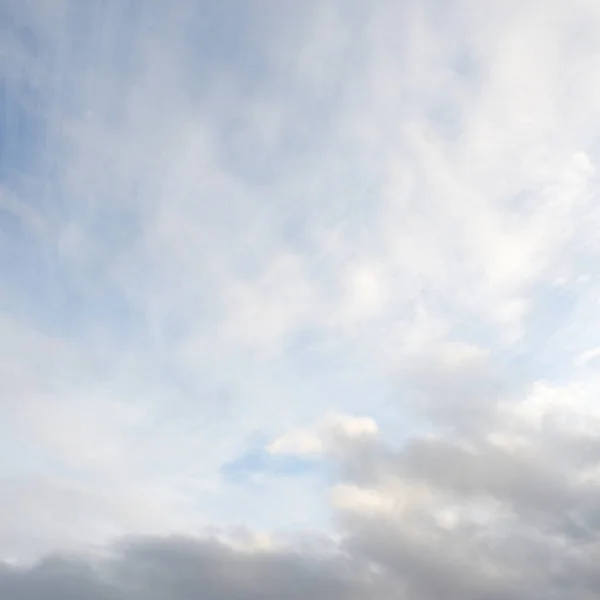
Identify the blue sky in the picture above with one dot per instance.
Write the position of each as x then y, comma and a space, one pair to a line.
229, 230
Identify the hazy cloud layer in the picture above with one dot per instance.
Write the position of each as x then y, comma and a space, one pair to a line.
324, 271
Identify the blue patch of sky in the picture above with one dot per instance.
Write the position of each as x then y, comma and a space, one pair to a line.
56, 295
223, 36
31, 160
22, 132
259, 461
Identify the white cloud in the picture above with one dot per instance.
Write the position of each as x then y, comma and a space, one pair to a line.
323, 438
354, 499
297, 443
352, 427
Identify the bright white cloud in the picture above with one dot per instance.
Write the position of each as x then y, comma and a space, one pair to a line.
325, 436
362, 501
297, 443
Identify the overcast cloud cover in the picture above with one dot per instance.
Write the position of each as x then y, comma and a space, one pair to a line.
299, 299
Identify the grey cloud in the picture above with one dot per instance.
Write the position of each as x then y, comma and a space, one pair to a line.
520, 502
461, 397
182, 569
520, 479
55, 578
432, 568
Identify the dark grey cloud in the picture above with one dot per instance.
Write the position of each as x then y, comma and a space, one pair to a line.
182, 569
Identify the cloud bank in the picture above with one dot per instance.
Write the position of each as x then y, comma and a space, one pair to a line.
509, 512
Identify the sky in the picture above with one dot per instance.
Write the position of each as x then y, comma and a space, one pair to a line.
299, 299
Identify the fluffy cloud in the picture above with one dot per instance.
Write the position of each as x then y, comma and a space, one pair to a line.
325, 436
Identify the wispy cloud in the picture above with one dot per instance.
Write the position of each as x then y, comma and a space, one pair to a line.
222, 222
